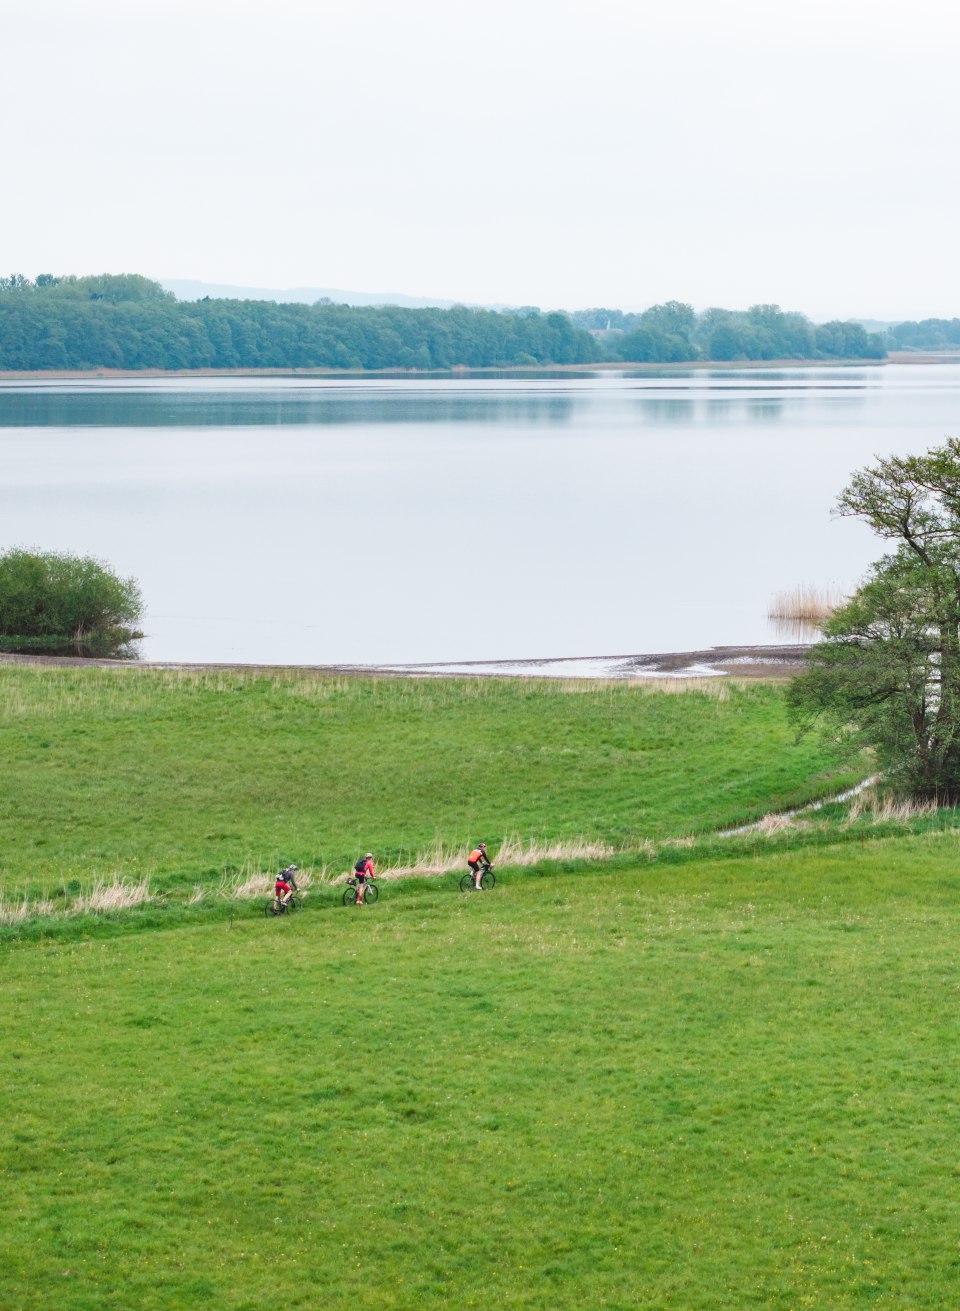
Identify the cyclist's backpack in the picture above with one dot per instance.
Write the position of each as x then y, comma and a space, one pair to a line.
360, 866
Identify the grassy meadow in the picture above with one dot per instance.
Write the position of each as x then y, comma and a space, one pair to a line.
181, 778
698, 1073
722, 1085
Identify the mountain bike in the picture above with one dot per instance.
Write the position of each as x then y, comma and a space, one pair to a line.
487, 881
370, 892
294, 904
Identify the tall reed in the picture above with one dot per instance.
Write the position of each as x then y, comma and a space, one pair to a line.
806, 604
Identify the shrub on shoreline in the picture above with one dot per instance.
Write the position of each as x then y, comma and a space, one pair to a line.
55, 603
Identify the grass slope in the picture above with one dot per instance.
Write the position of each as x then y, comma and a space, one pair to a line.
181, 776
707, 1086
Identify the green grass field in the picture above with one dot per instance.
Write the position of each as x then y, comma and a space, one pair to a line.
720, 1085
720, 1078
183, 776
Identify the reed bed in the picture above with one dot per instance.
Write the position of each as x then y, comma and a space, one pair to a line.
807, 604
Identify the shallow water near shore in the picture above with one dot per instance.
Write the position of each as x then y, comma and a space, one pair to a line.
385, 520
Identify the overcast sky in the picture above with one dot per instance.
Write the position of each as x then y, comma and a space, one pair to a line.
549, 152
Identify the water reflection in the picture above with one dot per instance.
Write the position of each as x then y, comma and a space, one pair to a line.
794, 630
418, 520
656, 410
109, 409
764, 411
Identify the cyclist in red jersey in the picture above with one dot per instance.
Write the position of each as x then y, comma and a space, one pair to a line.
283, 890
479, 862
363, 869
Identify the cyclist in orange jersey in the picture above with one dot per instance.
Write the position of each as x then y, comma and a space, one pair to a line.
479, 862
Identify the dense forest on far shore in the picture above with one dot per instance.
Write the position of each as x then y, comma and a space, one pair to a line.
128, 322
926, 335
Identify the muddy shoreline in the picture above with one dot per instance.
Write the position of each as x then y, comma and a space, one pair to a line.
753, 662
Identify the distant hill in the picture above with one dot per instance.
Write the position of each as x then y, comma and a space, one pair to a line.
186, 289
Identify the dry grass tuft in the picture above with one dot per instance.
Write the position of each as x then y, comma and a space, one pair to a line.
773, 823
887, 809
512, 851
242, 887
120, 894
14, 912
250, 883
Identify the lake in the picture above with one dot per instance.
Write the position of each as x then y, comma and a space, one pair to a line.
318, 520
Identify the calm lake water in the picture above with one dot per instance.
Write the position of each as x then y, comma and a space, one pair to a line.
297, 520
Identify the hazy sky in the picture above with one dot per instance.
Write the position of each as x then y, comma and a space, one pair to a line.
553, 152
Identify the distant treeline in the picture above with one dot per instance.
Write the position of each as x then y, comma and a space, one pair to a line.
927, 335
674, 332
128, 322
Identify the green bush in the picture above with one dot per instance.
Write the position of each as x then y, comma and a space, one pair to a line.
55, 603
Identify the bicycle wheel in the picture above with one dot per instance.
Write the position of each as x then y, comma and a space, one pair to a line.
271, 908
350, 894
466, 883
487, 880
370, 892
295, 903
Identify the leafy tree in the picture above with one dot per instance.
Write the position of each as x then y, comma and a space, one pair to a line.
647, 346
673, 318
888, 673
728, 341
56, 603
848, 341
